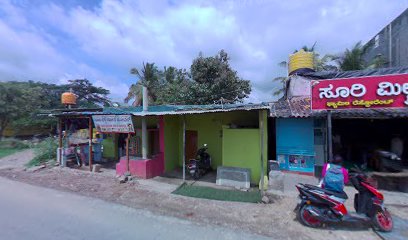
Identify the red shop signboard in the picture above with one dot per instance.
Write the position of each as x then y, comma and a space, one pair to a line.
389, 91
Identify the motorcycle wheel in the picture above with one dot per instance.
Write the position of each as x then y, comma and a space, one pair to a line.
383, 221
308, 219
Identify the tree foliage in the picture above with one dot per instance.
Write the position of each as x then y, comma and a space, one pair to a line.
210, 80
325, 63
88, 95
149, 77
379, 61
17, 100
176, 86
214, 79
21, 102
351, 59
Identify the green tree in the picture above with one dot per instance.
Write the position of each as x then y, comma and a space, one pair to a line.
176, 84
379, 61
149, 77
88, 94
351, 59
214, 79
209, 80
17, 100
21, 102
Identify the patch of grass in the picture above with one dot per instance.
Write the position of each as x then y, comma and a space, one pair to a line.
11, 146
7, 151
45, 151
13, 143
252, 196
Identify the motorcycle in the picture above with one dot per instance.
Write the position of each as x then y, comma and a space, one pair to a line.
201, 165
318, 206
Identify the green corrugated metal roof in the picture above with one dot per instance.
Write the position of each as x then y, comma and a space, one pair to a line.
169, 109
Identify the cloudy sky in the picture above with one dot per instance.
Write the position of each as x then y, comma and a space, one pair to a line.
53, 41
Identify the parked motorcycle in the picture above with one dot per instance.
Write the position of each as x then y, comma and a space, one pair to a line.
201, 165
318, 206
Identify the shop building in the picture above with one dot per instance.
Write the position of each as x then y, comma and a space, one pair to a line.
234, 134
352, 114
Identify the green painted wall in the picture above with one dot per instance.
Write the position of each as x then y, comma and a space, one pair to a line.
110, 147
172, 152
263, 114
241, 148
212, 129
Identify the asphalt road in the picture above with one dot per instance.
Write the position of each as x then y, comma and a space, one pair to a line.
31, 212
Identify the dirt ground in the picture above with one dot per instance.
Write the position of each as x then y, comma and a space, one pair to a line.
275, 220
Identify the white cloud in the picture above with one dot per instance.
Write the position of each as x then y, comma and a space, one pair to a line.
29, 53
104, 41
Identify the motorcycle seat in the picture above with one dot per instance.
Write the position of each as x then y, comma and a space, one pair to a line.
341, 195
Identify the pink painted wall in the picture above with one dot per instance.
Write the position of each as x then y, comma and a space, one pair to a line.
145, 168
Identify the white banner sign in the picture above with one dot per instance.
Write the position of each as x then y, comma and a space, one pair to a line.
113, 123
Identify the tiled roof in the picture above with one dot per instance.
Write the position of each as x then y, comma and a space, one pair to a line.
294, 107
300, 106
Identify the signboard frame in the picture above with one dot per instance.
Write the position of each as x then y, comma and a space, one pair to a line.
370, 92
106, 123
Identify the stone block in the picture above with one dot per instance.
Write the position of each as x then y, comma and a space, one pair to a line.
276, 180
234, 177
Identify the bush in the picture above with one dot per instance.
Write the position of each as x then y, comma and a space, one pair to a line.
13, 144
45, 151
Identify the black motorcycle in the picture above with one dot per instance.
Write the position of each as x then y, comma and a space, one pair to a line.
201, 164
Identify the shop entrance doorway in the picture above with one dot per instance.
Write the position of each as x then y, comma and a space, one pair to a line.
191, 144
356, 140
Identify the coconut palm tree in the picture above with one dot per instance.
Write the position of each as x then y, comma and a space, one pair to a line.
148, 76
351, 59
379, 61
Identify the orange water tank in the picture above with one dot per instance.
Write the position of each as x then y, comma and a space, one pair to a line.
68, 98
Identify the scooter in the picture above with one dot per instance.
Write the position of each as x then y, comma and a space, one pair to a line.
201, 165
318, 206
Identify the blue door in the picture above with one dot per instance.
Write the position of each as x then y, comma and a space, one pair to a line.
295, 144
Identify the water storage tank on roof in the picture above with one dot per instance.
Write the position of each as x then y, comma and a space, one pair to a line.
68, 98
300, 60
